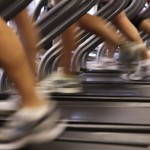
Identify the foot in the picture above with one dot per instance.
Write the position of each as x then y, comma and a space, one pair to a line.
130, 52
104, 64
142, 71
58, 82
9, 106
31, 125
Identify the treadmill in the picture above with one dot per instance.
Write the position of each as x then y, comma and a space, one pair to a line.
103, 84
92, 109
92, 133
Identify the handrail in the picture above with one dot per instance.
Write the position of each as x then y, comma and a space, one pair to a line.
14, 8
83, 7
59, 17
38, 8
135, 8
55, 10
4, 4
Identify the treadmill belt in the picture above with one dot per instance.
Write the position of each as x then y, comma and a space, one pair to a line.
109, 78
107, 114
107, 84
102, 90
108, 91
62, 145
115, 91
132, 139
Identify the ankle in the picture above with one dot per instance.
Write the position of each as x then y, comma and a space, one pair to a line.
123, 42
69, 73
34, 103
144, 54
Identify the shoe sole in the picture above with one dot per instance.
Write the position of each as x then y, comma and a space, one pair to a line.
103, 68
127, 77
67, 90
60, 90
42, 137
46, 135
139, 79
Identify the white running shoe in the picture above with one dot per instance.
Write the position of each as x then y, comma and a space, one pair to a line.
58, 82
130, 52
104, 64
142, 71
29, 125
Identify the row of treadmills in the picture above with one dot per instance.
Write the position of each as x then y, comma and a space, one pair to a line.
110, 113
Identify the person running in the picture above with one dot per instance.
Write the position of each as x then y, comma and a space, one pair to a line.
66, 81
37, 119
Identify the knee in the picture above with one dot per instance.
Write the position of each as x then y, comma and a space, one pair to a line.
145, 25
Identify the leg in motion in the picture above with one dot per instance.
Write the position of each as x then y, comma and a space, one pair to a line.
129, 30
145, 26
29, 36
93, 24
66, 81
102, 28
35, 113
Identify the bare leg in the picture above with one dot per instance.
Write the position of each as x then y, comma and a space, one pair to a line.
100, 27
29, 36
36, 113
13, 60
110, 48
69, 44
145, 26
128, 29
